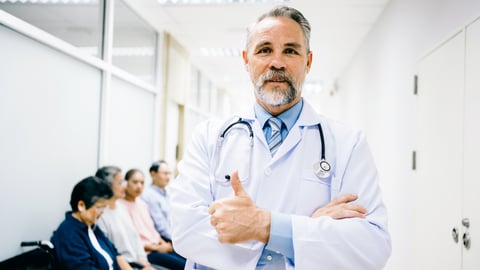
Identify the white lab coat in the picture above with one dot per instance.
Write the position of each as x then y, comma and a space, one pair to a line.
285, 183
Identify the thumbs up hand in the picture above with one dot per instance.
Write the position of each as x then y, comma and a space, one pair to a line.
237, 219
237, 185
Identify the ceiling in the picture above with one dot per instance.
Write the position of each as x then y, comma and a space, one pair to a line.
338, 28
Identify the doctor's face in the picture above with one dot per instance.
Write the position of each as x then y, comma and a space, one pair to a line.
278, 60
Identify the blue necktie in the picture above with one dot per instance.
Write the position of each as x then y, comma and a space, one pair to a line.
275, 139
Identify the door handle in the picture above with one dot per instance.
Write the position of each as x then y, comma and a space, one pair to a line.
455, 235
466, 240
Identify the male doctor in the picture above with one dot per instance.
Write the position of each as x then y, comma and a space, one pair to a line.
274, 210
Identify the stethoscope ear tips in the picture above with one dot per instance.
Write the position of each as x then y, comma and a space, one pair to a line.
227, 177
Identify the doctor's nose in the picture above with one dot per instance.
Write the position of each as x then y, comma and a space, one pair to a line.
277, 63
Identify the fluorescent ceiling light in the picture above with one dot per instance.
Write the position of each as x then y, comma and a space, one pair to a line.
221, 52
218, 2
313, 88
123, 51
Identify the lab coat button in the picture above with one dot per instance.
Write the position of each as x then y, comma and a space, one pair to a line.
269, 257
268, 171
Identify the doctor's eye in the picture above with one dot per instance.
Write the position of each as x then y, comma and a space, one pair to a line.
291, 51
263, 50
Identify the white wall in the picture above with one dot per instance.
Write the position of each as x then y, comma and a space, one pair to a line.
376, 93
52, 118
49, 118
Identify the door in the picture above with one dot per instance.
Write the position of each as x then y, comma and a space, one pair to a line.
438, 184
471, 187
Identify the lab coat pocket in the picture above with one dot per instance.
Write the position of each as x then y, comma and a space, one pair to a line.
223, 190
313, 192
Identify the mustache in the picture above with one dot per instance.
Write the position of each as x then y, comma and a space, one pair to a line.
275, 75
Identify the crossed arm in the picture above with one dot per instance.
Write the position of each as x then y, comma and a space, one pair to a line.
237, 219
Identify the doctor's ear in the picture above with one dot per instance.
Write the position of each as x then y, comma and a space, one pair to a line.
245, 59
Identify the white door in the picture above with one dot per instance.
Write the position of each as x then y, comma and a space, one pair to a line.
471, 204
438, 184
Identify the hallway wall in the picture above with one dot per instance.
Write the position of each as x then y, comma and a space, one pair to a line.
376, 93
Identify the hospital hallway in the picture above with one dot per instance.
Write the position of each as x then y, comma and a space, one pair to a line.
89, 83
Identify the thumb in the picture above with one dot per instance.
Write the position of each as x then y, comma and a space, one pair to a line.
237, 185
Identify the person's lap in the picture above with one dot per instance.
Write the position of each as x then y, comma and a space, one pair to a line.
169, 260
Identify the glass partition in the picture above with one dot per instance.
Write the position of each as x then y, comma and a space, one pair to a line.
78, 22
134, 43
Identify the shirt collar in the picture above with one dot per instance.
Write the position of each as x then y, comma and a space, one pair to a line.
288, 117
77, 223
159, 190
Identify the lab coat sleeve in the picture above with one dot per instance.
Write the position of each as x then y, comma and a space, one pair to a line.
351, 243
191, 195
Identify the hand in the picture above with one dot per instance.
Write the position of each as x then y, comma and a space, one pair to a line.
164, 247
237, 219
146, 264
340, 208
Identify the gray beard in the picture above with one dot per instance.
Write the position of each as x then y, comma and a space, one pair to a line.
275, 97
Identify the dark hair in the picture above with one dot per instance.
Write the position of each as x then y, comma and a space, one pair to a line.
108, 173
130, 172
89, 190
288, 12
156, 165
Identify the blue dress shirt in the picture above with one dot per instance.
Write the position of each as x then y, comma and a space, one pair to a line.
280, 242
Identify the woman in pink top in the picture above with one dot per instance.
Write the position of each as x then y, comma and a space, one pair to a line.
159, 251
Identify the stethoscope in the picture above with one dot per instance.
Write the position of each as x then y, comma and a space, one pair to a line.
321, 168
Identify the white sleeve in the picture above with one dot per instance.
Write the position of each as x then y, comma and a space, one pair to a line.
351, 243
191, 196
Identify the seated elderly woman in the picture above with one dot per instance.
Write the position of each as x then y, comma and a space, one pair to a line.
115, 222
79, 244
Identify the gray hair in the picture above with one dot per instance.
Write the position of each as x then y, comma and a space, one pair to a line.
108, 173
283, 11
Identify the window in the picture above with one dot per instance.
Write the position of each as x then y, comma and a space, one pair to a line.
134, 43
77, 22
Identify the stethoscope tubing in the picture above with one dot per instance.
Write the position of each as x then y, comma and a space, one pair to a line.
240, 121
321, 168
250, 131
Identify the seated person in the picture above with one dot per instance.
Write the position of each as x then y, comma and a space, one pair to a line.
116, 223
159, 251
79, 244
157, 200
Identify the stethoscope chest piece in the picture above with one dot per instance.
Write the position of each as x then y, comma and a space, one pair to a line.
322, 168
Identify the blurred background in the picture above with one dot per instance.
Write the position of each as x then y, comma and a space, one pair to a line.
87, 83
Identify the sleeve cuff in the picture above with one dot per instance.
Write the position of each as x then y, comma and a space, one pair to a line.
281, 235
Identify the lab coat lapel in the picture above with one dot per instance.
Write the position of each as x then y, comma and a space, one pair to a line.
289, 143
307, 117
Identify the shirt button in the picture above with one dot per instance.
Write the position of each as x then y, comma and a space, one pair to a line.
268, 171
269, 257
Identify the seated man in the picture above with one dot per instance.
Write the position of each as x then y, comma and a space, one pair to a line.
157, 200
